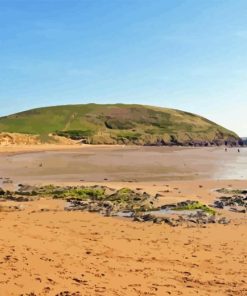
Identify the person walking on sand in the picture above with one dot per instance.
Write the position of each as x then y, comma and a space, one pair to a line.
238, 150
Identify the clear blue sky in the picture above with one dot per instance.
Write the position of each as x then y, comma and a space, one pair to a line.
188, 54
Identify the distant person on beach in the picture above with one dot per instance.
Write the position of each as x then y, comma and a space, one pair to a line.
238, 150
225, 149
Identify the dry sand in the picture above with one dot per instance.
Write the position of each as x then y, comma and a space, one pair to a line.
48, 252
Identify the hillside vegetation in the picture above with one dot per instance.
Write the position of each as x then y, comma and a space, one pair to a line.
118, 124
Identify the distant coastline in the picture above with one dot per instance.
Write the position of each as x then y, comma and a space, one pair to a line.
114, 124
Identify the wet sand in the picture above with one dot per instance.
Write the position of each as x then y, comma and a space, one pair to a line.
51, 251
124, 164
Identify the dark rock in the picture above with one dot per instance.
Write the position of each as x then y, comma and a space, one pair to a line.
224, 220
169, 221
168, 206
18, 198
158, 220
7, 181
237, 203
44, 210
193, 220
94, 207
107, 204
212, 219
238, 209
138, 219
148, 217
158, 195
218, 204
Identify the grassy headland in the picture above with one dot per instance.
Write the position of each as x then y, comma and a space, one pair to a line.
117, 124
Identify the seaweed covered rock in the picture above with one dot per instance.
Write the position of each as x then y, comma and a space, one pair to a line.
132, 200
189, 205
17, 198
96, 199
235, 203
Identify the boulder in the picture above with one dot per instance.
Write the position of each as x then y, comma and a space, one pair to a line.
218, 204
224, 220
148, 217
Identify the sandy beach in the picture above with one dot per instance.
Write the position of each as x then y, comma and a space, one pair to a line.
48, 251
123, 148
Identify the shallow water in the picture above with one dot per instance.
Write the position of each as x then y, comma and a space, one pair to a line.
174, 212
125, 214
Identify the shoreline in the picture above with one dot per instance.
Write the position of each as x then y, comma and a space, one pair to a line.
59, 147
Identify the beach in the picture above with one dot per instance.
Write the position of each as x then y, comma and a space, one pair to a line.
48, 251
120, 163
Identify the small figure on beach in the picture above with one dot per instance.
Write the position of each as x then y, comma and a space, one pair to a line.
225, 149
238, 150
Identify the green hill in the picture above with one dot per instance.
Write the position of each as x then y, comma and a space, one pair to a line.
118, 123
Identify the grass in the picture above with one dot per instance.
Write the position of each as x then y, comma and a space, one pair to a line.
196, 206
116, 122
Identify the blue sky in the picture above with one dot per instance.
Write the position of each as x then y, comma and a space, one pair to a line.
188, 54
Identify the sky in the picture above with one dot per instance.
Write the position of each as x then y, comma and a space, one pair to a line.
184, 54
